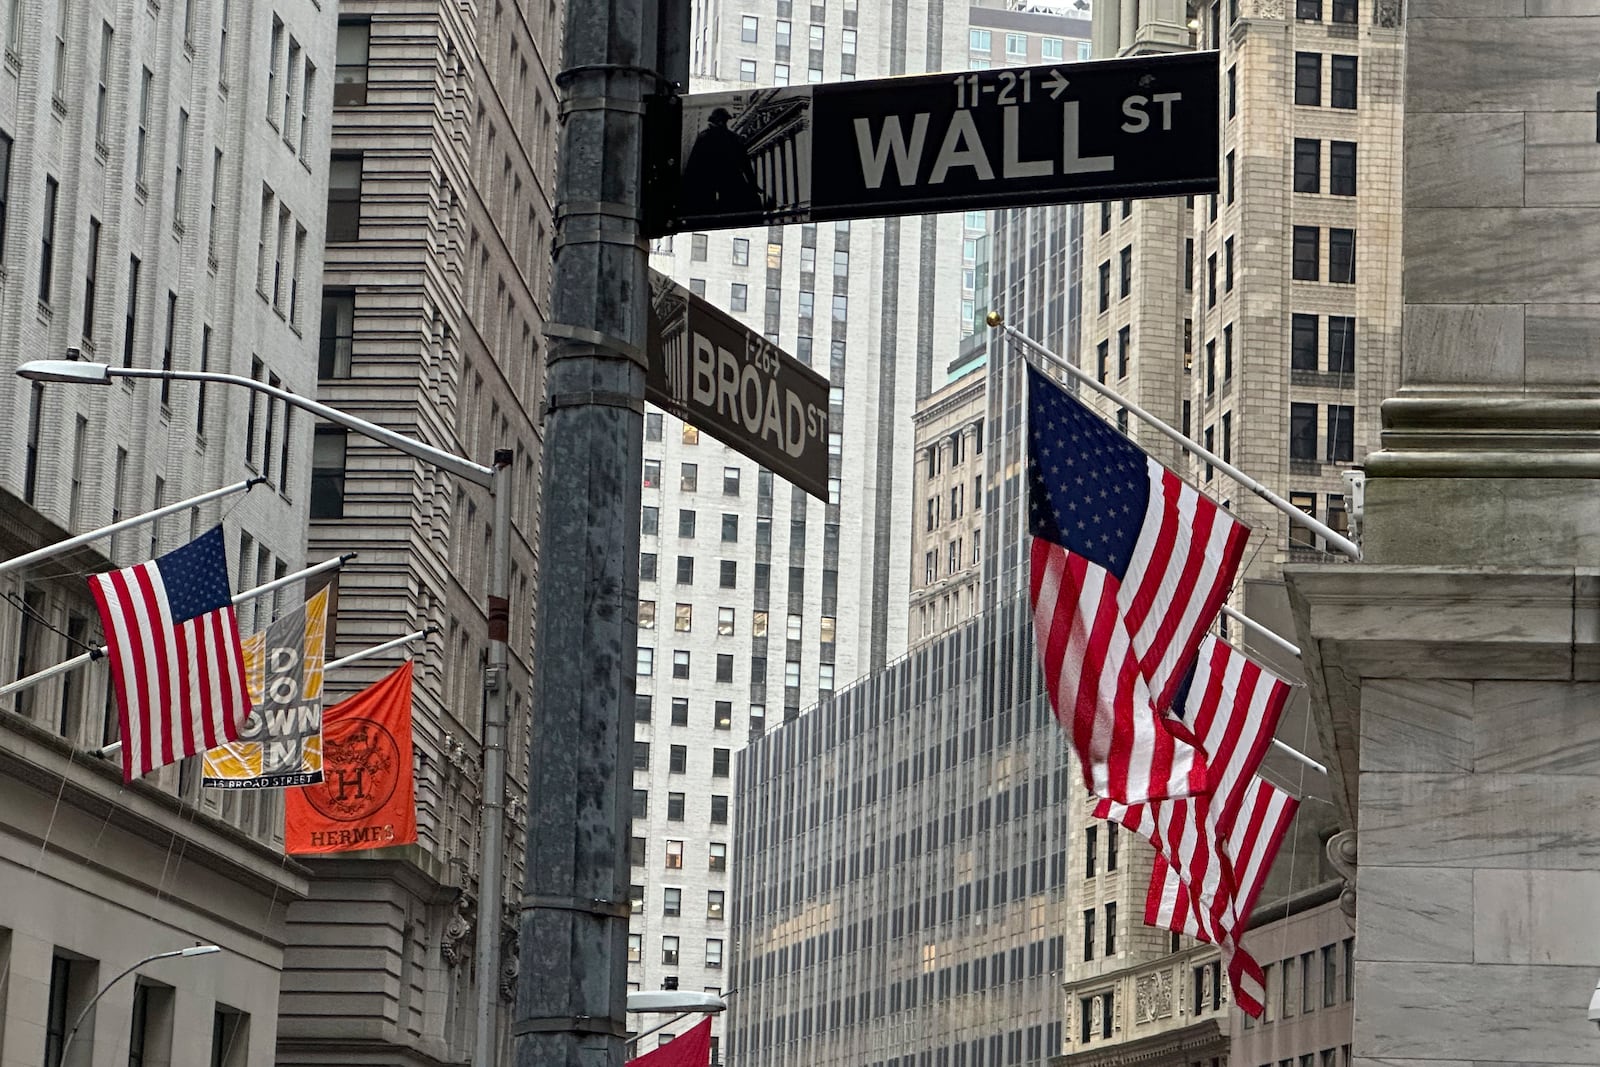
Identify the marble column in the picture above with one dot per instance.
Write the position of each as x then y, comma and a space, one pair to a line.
1456, 672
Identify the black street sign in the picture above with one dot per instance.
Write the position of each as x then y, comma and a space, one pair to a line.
714, 372
1104, 130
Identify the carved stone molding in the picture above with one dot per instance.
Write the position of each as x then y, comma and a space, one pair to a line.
1265, 9
1152, 996
1342, 854
510, 967
457, 934
1387, 14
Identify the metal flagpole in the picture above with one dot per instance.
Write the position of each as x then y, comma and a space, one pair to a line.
378, 650
1335, 540
238, 598
1244, 620
126, 524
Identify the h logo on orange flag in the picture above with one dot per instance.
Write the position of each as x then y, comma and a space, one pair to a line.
367, 798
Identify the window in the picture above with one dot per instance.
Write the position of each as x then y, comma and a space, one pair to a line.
688, 477
47, 241
636, 941
1111, 846
102, 89
641, 804
1305, 990
649, 521
1111, 928
669, 950
344, 198
652, 474
647, 566
1105, 286
647, 616
1052, 48
747, 70
728, 574
1308, 79
1211, 367
730, 481
1344, 82
1227, 353
1307, 253
1227, 437
719, 810
337, 339
1105, 216
1016, 44
680, 711
674, 814
1344, 11
1227, 265
980, 40
1125, 274
685, 522
713, 952
1088, 934
730, 527
1308, 9
1124, 343
91, 277
680, 664
714, 906
1341, 433
1285, 1004
1211, 280
720, 760
1233, 91
685, 570
738, 294
674, 861
1307, 165
1329, 976
1303, 432
1342, 168
679, 754
1091, 837
328, 452
725, 660
350, 71
1342, 256
1303, 343
645, 665
724, 622
1231, 172
718, 857
724, 715
5, 188
749, 29
55, 1028
1341, 344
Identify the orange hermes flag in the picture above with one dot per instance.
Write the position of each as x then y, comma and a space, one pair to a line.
367, 797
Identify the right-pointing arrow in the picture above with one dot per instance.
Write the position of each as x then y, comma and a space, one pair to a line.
1055, 83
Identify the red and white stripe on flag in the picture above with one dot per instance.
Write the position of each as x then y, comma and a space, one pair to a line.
176, 663
1232, 705
1205, 885
1128, 751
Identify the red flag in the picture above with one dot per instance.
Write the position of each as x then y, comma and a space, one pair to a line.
692, 1049
367, 797
1129, 567
176, 663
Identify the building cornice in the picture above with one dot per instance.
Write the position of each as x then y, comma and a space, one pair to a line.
1201, 1041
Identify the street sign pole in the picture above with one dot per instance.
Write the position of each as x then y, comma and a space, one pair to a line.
573, 927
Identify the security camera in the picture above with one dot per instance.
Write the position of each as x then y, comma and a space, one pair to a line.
1594, 1005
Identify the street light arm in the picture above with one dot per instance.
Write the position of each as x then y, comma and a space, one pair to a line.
63, 370
194, 950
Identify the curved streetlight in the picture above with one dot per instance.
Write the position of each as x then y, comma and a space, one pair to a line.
497, 480
192, 950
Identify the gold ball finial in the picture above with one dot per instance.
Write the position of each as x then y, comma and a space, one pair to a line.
994, 319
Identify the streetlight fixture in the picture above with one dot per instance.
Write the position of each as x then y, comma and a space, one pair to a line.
185, 953
679, 1003
497, 480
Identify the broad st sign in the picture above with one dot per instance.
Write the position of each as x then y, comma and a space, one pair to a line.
1106, 130
712, 371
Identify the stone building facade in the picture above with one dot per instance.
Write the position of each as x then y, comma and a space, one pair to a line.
163, 174
947, 527
433, 307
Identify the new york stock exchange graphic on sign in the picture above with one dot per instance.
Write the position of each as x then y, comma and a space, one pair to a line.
709, 369
1109, 129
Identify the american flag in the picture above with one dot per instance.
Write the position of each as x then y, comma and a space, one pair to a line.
1214, 851
1206, 887
1129, 567
176, 662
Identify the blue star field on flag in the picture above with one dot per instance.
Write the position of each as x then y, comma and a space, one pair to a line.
1089, 485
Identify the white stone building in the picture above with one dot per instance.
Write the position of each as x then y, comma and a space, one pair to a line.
163, 178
